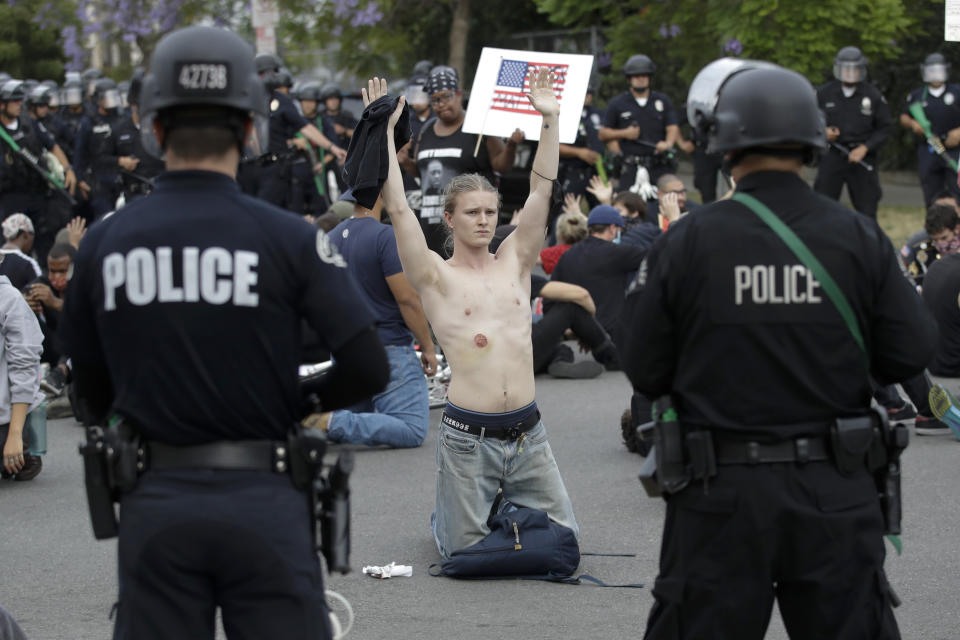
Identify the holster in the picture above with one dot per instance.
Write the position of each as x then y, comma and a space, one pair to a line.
333, 513
672, 471
96, 478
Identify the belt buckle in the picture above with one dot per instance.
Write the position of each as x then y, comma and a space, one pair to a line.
513, 433
802, 449
753, 452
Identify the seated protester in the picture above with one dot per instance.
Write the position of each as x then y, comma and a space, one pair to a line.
602, 267
17, 263
399, 416
916, 263
45, 296
573, 310
941, 288
669, 184
19, 391
637, 231
571, 229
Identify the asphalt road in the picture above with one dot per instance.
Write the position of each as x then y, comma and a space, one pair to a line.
60, 583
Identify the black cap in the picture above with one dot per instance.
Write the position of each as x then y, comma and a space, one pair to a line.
639, 65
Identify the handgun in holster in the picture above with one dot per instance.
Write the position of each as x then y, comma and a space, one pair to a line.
870, 442
112, 461
671, 471
333, 513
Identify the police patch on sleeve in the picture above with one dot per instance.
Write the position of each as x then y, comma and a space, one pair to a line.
327, 252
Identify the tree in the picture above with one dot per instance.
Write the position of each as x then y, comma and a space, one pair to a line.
30, 38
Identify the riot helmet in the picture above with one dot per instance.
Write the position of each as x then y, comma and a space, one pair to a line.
106, 94
330, 90
422, 68
4, 76
72, 93
309, 91
639, 65
11, 91
42, 96
136, 84
935, 69
416, 93
738, 104
204, 67
89, 79
850, 66
268, 68
284, 78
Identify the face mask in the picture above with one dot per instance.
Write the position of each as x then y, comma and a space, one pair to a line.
59, 281
947, 247
617, 239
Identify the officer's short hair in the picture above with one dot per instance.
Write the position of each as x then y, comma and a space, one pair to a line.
632, 202
197, 132
940, 217
464, 184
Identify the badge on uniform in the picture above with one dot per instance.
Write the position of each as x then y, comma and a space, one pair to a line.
866, 107
658, 105
948, 98
274, 104
327, 252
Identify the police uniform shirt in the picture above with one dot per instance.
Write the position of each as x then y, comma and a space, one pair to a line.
942, 111
439, 160
285, 122
587, 137
66, 124
941, 293
201, 290
15, 175
96, 149
129, 143
863, 118
653, 118
726, 318
604, 269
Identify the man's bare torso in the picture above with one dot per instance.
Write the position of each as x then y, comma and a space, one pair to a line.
481, 318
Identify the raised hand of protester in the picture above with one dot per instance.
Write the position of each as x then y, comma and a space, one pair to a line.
542, 96
602, 192
670, 206
376, 88
571, 204
76, 229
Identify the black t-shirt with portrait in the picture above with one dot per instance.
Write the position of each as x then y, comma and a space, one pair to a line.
193, 299
439, 160
285, 122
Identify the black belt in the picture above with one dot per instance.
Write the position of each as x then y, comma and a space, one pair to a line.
813, 449
510, 432
239, 455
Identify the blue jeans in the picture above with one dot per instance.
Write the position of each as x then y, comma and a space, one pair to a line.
471, 469
399, 416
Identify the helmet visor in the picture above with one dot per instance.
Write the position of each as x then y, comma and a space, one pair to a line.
110, 99
849, 72
705, 88
72, 95
417, 96
935, 73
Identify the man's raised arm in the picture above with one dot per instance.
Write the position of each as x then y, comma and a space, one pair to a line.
527, 240
419, 263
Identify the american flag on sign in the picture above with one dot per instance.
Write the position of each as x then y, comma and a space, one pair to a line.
510, 92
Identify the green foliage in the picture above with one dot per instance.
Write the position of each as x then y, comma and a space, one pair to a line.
29, 42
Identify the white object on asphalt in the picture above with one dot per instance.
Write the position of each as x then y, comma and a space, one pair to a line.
392, 570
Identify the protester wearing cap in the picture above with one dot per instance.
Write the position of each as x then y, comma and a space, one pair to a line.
443, 139
602, 266
939, 101
15, 253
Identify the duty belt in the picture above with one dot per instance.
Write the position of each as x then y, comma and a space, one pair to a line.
800, 450
508, 432
239, 455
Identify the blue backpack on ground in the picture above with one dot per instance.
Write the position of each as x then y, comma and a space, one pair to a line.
523, 543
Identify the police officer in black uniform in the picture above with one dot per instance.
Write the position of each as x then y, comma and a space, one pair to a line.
69, 116
641, 124
858, 123
96, 156
578, 162
338, 125
184, 320
940, 101
285, 122
136, 182
769, 451
315, 175
23, 189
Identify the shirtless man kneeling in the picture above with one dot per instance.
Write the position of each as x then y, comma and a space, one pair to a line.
491, 436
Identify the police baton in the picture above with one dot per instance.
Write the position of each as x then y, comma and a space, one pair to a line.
844, 150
